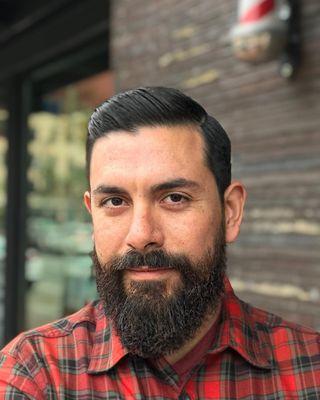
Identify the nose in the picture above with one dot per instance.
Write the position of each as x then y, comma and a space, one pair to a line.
144, 231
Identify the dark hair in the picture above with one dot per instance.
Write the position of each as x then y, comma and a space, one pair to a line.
160, 106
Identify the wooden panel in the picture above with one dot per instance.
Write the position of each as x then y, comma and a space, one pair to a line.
274, 127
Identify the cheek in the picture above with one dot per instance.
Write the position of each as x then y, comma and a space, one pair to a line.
203, 235
107, 235
193, 233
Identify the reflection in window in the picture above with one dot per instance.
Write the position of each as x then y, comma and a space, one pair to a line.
58, 266
3, 177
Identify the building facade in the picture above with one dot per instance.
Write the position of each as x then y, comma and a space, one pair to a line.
274, 128
53, 53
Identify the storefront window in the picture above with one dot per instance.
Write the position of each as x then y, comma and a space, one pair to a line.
3, 178
58, 268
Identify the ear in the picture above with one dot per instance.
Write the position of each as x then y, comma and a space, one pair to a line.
234, 200
87, 201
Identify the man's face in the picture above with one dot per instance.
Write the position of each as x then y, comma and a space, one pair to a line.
157, 218
152, 190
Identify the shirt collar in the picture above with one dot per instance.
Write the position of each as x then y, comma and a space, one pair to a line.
243, 329
107, 348
237, 328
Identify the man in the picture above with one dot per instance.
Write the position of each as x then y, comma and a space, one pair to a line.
168, 325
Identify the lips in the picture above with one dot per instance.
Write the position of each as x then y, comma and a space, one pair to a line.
146, 272
147, 268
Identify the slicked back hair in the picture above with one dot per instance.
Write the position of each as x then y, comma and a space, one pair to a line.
161, 106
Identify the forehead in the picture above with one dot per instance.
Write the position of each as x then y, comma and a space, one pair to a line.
150, 152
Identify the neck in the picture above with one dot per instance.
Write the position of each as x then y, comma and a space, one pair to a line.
208, 322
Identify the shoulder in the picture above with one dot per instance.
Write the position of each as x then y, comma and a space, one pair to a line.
274, 323
35, 359
285, 338
36, 341
284, 355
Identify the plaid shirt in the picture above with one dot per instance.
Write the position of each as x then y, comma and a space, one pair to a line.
253, 355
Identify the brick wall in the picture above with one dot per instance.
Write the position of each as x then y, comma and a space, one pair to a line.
274, 126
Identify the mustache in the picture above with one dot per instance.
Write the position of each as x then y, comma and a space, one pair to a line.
157, 259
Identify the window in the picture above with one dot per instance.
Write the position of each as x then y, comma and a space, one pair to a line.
58, 266
3, 175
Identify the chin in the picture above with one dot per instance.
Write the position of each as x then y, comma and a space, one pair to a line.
153, 290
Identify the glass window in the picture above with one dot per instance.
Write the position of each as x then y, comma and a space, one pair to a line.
58, 268
4, 115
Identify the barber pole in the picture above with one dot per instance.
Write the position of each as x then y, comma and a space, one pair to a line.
262, 29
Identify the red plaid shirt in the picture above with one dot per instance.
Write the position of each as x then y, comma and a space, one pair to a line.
253, 355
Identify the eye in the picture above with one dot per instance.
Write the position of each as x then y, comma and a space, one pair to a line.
113, 202
175, 198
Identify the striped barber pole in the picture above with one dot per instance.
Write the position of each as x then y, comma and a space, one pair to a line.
253, 10
261, 30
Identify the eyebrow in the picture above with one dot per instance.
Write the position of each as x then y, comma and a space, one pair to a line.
105, 189
175, 183
167, 185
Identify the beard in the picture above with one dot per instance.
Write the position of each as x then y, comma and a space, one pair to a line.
150, 321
